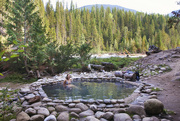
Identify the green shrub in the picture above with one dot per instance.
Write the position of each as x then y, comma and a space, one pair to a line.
17, 78
117, 61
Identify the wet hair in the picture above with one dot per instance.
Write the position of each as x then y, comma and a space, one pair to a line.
68, 76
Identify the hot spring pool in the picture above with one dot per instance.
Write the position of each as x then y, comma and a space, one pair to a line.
89, 90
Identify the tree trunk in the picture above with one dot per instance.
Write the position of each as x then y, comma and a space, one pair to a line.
25, 41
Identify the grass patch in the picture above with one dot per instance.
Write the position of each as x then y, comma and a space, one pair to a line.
169, 112
17, 78
156, 89
117, 61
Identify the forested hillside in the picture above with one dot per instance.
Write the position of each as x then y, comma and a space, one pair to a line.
35, 37
109, 30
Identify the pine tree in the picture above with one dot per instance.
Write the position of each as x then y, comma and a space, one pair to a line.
25, 26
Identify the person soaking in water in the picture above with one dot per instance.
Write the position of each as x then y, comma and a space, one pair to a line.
67, 82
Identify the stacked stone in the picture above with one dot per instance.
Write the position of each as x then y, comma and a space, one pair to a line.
45, 109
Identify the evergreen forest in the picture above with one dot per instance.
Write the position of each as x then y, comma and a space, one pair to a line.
34, 37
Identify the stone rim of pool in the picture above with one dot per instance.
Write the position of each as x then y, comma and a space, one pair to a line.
128, 99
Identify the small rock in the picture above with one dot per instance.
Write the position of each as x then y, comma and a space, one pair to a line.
163, 69
47, 99
93, 107
51, 109
108, 115
29, 96
165, 120
113, 101
153, 97
72, 105
107, 101
13, 120
37, 118
64, 116
76, 110
122, 117
58, 101
119, 110
136, 109
150, 119
25, 90
52, 104
30, 111
38, 104
43, 111
50, 118
61, 108
99, 114
82, 106
102, 119
34, 99
22, 117
86, 113
73, 114
121, 101
91, 118
101, 106
122, 105
136, 117
116, 105
177, 74
54, 113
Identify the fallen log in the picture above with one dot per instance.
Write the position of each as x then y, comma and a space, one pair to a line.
108, 66
119, 74
130, 76
97, 67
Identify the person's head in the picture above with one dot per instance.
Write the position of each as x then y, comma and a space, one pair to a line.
68, 76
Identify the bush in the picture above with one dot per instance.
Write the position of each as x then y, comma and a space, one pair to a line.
117, 61
17, 78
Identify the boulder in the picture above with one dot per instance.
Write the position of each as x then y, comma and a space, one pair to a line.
50, 118
22, 117
150, 119
61, 108
43, 111
122, 117
82, 106
136, 117
17, 110
76, 110
136, 109
38, 104
30, 111
102, 119
72, 105
73, 114
64, 116
91, 118
108, 115
153, 106
25, 90
29, 96
47, 99
54, 113
51, 109
86, 113
99, 114
34, 99
37, 118
93, 107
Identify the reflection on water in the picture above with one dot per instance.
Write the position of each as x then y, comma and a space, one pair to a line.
89, 90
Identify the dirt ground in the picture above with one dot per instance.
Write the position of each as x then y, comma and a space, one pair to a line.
169, 81
170, 95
